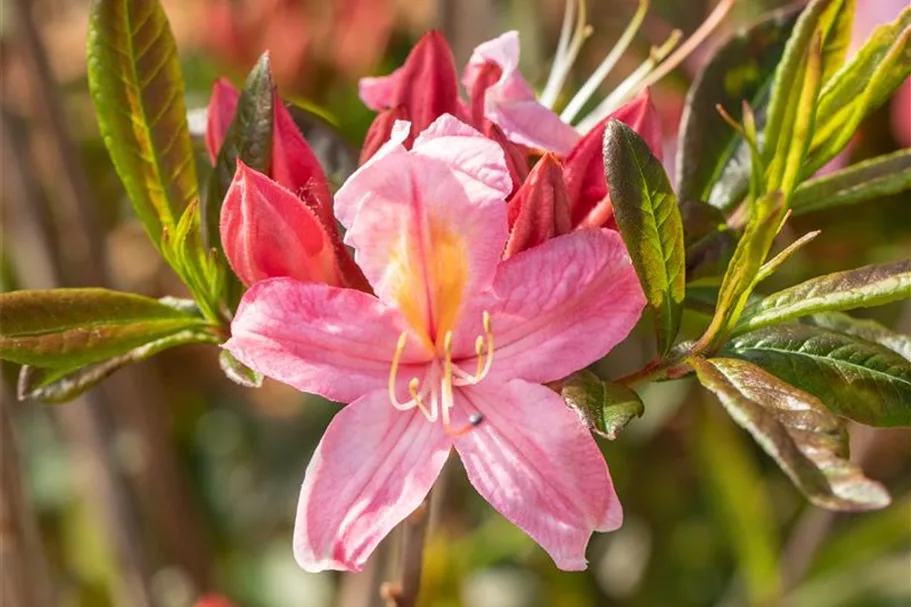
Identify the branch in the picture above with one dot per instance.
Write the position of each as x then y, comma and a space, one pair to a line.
413, 530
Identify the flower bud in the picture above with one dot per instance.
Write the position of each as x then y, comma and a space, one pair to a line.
539, 211
584, 166
267, 231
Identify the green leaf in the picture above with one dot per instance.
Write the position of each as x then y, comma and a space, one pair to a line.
855, 378
60, 385
713, 162
785, 161
138, 91
738, 491
860, 87
766, 221
867, 180
796, 430
864, 287
646, 211
771, 266
829, 21
869, 330
238, 372
68, 328
606, 408
249, 138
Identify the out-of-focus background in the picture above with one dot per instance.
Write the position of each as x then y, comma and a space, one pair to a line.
170, 481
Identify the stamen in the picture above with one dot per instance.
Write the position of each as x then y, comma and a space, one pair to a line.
484, 362
447, 399
632, 83
698, 37
418, 399
609, 62
399, 348
564, 60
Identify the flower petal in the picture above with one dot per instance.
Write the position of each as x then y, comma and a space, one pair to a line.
219, 114
354, 190
268, 232
563, 305
338, 343
430, 224
584, 166
372, 468
534, 461
511, 102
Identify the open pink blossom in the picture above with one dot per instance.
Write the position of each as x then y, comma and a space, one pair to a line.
450, 353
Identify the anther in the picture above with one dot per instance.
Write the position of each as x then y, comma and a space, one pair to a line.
474, 420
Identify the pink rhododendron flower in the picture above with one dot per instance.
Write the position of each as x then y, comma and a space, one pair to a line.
449, 354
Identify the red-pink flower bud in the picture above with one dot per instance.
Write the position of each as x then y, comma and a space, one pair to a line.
219, 114
584, 165
539, 211
426, 85
516, 155
484, 77
213, 600
267, 231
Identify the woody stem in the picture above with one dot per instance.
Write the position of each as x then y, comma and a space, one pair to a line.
413, 530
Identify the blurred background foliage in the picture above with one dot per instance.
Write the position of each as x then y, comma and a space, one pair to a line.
212, 470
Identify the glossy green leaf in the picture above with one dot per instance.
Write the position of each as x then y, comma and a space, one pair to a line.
238, 372
829, 23
249, 138
138, 91
740, 278
796, 430
854, 378
606, 408
713, 163
867, 180
869, 330
646, 212
739, 493
785, 160
59, 385
67, 328
869, 286
860, 87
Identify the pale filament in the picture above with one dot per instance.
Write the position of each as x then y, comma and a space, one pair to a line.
439, 382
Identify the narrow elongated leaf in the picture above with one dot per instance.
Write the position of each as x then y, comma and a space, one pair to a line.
855, 378
860, 87
869, 330
785, 161
605, 407
868, 180
830, 22
646, 211
68, 328
740, 278
60, 385
740, 494
808, 442
249, 138
869, 286
138, 91
713, 163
